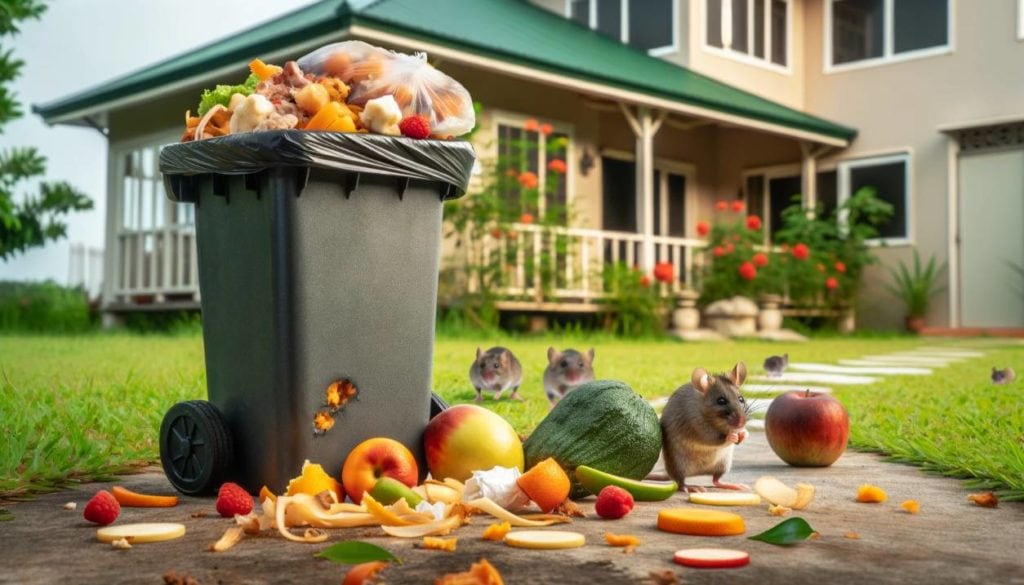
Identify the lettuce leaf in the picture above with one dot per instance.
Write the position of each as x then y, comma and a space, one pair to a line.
222, 94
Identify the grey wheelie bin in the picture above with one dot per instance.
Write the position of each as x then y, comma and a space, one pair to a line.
318, 265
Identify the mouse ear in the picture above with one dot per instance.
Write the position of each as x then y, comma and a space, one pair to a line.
738, 373
701, 380
479, 353
552, 355
505, 357
590, 355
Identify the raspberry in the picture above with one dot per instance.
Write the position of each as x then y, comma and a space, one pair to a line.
415, 127
232, 499
102, 509
613, 502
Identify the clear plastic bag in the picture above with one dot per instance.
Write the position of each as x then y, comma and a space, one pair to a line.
416, 85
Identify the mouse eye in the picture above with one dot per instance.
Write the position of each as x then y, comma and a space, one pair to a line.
564, 364
495, 366
579, 365
742, 400
722, 401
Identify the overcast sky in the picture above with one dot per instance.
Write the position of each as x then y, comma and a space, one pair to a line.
79, 44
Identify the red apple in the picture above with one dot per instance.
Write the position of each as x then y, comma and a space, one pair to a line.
468, 438
806, 429
376, 458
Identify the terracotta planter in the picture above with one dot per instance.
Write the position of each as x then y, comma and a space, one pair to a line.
915, 323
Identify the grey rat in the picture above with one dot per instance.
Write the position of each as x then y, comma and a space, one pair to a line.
702, 424
775, 365
496, 370
1004, 376
566, 370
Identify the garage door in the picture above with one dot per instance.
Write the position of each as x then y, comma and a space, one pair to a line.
992, 238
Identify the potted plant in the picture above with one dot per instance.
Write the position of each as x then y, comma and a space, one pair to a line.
916, 288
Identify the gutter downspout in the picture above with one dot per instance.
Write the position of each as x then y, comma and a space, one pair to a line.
644, 126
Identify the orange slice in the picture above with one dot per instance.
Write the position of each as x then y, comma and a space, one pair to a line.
126, 497
546, 484
700, 522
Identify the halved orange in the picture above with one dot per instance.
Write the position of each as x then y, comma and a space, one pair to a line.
546, 484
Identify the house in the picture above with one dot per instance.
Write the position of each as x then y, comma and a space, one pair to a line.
710, 99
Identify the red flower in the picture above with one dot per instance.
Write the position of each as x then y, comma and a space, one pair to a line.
530, 125
831, 283
753, 222
645, 281
664, 272
760, 260
528, 179
526, 218
496, 233
729, 248
820, 267
721, 206
546, 129
840, 268
737, 206
784, 248
719, 251
747, 271
703, 228
557, 165
801, 251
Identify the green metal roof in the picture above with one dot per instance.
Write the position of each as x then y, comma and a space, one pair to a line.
512, 31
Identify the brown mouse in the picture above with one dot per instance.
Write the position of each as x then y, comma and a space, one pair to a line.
496, 370
701, 425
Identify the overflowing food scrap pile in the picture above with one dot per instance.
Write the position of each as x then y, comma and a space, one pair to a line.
344, 87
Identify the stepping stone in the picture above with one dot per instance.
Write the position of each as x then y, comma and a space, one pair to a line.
946, 354
782, 388
894, 370
819, 377
886, 364
909, 359
951, 351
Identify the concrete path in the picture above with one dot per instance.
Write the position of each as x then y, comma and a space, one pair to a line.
820, 378
870, 370
950, 541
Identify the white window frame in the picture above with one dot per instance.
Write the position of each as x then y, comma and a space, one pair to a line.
889, 41
750, 58
624, 25
1020, 20
517, 120
667, 166
843, 191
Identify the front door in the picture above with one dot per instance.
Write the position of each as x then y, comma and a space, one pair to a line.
992, 239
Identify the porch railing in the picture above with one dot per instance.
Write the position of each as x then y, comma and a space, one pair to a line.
565, 264
158, 262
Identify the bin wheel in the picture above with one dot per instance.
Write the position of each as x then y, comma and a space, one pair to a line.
195, 447
437, 405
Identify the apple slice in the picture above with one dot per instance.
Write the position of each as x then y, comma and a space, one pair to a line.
725, 499
143, 532
804, 496
545, 539
711, 558
775, 491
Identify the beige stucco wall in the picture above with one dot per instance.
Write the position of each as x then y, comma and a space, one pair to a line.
900, 107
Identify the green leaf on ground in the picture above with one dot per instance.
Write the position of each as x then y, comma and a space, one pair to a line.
789, 531
353, 552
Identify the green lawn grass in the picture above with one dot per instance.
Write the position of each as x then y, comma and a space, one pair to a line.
83, 408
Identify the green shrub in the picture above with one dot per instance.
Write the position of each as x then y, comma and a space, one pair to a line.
43, 307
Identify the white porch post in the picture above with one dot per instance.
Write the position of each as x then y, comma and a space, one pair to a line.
644, 126
809, 175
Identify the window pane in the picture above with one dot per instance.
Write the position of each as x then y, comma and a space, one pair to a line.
714, 18
857, 30
739, 25
755, 195
619, 197
889, 183
782, 192
579, 10
759, 28
657, 202
827, 193
676, 205
650, 24
920, 24
557, 194
609, 18
779, 32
